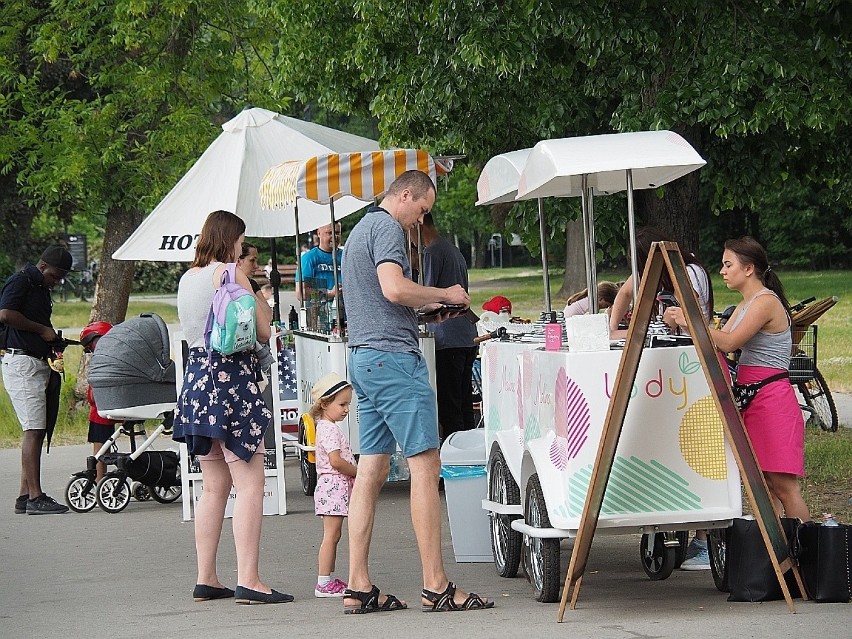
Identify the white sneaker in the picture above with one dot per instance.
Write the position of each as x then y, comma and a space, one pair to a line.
699, 561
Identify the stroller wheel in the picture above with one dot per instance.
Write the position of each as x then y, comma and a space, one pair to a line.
166, 494
80, 494
140, 492
113, 493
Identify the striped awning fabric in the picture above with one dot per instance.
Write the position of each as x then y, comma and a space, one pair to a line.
326, 177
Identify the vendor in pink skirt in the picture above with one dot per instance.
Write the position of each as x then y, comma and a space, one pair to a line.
761, 328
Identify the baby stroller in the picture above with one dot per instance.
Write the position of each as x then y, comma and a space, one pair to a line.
132, 377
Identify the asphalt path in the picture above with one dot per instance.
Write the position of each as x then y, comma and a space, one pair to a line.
131, 574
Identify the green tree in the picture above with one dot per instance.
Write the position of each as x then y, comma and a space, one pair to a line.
757, 88
110, 102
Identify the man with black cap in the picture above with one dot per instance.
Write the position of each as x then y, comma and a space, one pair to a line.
33, 387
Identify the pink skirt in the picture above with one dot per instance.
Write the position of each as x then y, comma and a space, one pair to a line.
774, 423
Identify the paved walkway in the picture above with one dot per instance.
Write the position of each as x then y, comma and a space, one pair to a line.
131, 575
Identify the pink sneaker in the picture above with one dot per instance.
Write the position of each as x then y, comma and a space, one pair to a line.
333, 588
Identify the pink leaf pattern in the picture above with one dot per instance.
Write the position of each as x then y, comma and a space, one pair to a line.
559, 453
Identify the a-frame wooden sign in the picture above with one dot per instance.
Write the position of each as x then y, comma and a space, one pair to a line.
667, 255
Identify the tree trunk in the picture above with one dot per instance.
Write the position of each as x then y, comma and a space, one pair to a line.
114, 283
575, 260
676, 212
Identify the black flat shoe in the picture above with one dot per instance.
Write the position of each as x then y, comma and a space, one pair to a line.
249, 596
205, 593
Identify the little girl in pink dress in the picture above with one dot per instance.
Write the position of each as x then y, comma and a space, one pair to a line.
335, 474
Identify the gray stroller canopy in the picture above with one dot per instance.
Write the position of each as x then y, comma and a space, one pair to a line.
132, 365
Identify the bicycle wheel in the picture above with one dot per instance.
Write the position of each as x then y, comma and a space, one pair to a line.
819, 403
505, 541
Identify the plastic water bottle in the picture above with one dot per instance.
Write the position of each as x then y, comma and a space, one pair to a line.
829, 520
398, 467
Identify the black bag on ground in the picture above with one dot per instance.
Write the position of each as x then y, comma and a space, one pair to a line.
825, 561
155, 468
751, 576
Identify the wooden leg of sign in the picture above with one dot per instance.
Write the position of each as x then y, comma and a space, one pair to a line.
612, 426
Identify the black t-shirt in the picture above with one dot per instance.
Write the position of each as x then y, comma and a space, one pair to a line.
25, 292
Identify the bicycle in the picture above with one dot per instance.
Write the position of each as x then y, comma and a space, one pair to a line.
816, 400
804, 373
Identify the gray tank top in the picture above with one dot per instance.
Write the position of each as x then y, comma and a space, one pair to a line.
194, 298
771, 350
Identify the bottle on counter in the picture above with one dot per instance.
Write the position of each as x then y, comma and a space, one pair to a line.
552, 334
293, 319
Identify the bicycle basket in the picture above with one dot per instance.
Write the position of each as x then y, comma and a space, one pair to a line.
803, 359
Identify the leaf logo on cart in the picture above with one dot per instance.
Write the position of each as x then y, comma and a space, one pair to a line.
655, 387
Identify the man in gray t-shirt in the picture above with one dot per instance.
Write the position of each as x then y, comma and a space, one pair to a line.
396, 404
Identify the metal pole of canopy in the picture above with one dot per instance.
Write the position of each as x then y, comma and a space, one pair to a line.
337, 294
593, 259
584, 204
543, 239
631, 227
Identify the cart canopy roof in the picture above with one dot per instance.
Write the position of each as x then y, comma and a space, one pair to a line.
498, 181
555, 168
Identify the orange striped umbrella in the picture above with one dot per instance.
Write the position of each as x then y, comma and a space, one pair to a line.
327, 177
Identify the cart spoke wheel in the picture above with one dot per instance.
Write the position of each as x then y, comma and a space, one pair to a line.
307, 468
819, 404
113, 493
541, 555
505, 542
80, 494
166, 494
717, 540
658, 560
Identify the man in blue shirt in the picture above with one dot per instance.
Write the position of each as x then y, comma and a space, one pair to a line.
33, 387
317, 270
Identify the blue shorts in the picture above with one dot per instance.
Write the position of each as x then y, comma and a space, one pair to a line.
396, 403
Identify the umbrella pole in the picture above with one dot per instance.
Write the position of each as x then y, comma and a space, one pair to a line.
275, 280
300, 281
584, 204
631, 226
543, 239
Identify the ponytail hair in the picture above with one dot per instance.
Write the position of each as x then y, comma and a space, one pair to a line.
749, 251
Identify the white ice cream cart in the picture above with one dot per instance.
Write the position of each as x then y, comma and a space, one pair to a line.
544, 410
321, 342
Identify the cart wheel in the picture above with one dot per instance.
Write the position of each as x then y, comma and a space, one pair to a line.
505, 542
659, 561
683, 544
306, 466
820, 403
166, 494
717, 543
140, 492
80, 494
113, 493
541, 556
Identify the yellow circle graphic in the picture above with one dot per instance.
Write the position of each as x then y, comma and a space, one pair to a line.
702, 440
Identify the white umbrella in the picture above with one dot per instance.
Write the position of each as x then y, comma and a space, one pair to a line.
498, 182
228, 176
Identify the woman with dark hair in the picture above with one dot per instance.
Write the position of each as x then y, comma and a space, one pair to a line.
698, 277
222, 419
761, 328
